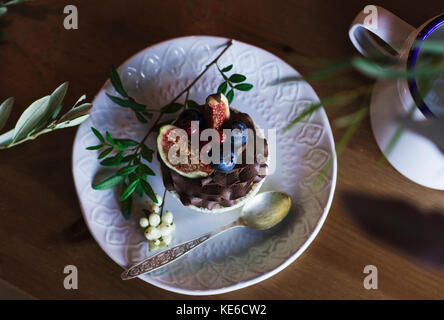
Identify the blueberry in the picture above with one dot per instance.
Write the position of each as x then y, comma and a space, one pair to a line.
226, 163
239, 133
190, 115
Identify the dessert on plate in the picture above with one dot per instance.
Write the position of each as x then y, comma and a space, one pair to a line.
213, 185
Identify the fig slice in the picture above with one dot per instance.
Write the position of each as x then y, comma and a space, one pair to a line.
217, 111
167, 139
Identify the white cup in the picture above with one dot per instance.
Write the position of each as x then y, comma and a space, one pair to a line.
412, 155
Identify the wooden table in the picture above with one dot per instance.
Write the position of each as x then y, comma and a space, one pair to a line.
41, 228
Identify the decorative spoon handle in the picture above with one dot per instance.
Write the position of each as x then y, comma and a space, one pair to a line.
167, 256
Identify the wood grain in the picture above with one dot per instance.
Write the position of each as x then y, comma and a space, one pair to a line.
41, 228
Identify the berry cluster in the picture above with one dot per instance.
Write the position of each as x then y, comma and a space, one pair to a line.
158, 228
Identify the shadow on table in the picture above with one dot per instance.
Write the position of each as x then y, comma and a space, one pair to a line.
38, 11
31, 11
3, 25
75, 233
418, 233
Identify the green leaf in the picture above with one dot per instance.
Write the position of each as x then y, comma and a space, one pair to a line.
3, 11
172, 108
126, 143
355, 120
98, 134
146, 113
230, 96
119, 101
129, 103
137, 106
83, 97
57, 97
11, 2
192, 104
6, 138
139, 190
129, 190
113, 161
148, 190
329, 70
145, 170
222, 88
108, 183
431, 46
105, 153
236, 78
127, 170
97, 147
129, 158
55, 102
140, 118
73, 122
244, 87
5, 111
116, 82
76, 112
376, 70
306, 112
132, 177
31, 117
109, 138
126, 205
56, 112
226, 69
147, 153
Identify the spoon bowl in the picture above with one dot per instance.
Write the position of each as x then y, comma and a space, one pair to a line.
262, 212
266, 210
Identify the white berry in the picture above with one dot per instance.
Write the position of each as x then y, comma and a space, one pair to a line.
167, 217
167, 239
143, 222
152, 233
165, 229
152, 244
156, 208
173, 226
159, 200
154, 219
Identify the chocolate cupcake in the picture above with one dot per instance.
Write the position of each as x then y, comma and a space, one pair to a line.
219, 185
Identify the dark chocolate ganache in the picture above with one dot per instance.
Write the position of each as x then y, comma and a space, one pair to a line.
218, 188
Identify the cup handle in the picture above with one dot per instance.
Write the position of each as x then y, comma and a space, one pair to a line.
388, 27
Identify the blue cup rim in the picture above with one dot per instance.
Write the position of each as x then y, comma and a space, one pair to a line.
412, 59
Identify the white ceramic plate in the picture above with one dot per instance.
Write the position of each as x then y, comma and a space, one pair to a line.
240, 257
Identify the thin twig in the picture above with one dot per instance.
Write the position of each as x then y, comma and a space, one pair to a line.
229, 44
163, 201
208, 66
339, 98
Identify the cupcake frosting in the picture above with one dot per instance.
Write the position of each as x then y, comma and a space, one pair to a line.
218, 188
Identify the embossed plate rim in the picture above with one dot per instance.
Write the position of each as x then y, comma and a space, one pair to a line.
287, 261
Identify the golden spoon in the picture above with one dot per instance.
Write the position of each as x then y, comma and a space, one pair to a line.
262, 212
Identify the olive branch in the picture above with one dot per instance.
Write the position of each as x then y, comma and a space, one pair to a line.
129, 155
374, 69
371, 68
41, 117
